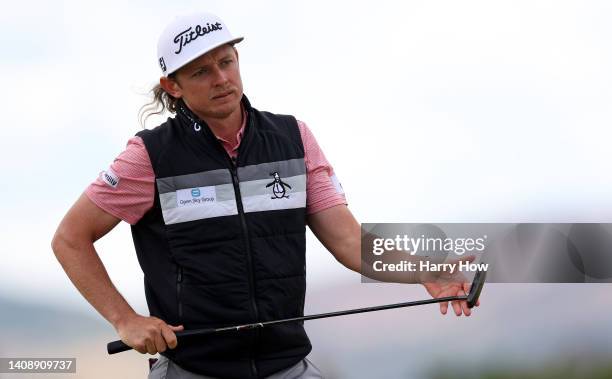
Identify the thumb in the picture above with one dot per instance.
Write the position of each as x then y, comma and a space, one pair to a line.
176, 328
469, 258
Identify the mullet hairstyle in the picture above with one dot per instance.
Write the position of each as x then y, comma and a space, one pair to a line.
162, 101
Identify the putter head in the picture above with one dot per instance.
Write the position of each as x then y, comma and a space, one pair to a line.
477, 284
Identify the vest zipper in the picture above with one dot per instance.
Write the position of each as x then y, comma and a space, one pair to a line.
247, 244
179, 281
246, 239
245, 230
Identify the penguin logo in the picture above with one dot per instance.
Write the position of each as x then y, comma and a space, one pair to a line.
278, 187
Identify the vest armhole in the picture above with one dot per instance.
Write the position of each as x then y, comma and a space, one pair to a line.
291, 126
153, 146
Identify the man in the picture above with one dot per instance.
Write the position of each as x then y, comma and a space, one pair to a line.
218, 198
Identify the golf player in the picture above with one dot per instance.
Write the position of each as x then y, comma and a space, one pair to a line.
218, 198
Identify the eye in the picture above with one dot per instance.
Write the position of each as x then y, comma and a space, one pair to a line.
226, 62
199, 72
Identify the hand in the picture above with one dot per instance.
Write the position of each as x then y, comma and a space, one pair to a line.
445, 284
147, 334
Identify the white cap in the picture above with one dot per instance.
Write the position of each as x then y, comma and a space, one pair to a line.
190, 36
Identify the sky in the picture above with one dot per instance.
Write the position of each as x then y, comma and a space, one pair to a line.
429, 111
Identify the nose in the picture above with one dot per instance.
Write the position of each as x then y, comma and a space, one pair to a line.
220, 77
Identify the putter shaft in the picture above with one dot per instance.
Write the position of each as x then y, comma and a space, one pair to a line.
118, 346
477, 284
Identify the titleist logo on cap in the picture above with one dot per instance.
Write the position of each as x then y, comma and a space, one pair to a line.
187, 36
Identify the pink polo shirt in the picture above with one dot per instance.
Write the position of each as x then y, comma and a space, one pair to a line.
126, 190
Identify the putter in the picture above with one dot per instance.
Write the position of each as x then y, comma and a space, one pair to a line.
477, 284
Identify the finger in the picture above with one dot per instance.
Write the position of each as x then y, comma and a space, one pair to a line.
176, 328
466, 288
140, 348
150, 347
468, 258
457, 307
160, 342
466, 311
444, 307
169, 336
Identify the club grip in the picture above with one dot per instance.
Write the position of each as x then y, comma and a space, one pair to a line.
476, 288
117, 347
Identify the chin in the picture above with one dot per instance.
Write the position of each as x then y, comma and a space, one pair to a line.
224, 111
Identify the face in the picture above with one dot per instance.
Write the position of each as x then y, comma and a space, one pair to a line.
210, 85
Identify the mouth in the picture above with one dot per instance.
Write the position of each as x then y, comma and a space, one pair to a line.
222, 95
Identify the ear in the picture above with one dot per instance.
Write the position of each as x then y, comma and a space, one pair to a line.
171, 86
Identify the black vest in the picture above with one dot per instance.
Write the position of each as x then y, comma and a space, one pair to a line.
224, 243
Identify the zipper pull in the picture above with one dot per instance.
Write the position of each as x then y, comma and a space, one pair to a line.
179, 276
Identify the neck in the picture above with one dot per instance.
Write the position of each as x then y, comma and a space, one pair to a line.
226, 127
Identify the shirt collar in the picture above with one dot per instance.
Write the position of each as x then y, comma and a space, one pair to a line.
240, 132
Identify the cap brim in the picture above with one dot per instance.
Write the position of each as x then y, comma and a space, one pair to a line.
211, 48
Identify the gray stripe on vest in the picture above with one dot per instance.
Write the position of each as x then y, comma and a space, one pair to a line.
199, 212
199, 179
224, 192
266, 202
258, 187
285, 169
